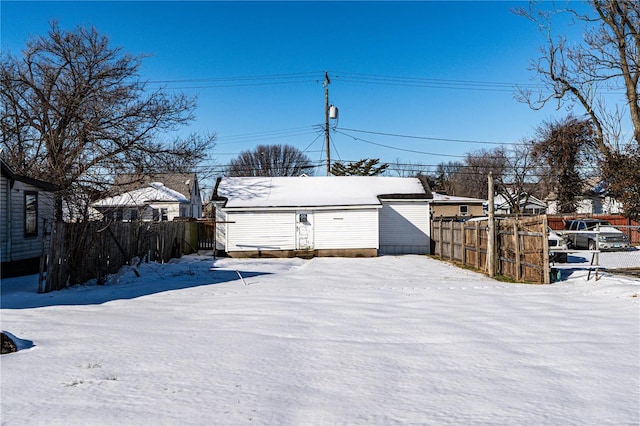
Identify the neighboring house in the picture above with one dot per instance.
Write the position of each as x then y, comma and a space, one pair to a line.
323, 216
529, 205
444, 205
594, 200
158, 197
25, 205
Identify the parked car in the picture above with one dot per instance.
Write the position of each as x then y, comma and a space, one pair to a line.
587, 231
557, 242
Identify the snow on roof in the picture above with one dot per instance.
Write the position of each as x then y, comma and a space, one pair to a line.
444, 198
501, 201
317, 191
154, 192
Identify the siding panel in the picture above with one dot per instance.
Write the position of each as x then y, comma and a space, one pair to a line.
4, 221
261, 231
404, 228
346, 229
15, 246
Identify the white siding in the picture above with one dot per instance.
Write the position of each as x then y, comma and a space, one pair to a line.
261, 231
404, 228
221, 228
346, 229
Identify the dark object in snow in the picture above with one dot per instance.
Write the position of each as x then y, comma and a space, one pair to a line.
8, 345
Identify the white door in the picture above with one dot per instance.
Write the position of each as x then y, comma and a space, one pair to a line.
304, 230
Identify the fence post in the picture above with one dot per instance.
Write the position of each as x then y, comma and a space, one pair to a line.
491, 255
546, 269
451, 242
440, 239
477, 244
516, 240
463, 243
43, 258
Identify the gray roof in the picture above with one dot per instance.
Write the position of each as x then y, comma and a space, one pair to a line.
179, 182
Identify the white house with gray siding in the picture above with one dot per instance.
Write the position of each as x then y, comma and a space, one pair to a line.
322, 216
25, 205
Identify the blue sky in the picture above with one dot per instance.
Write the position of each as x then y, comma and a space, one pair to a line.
441, 71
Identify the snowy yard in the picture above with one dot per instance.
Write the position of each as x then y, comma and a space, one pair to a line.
370, 341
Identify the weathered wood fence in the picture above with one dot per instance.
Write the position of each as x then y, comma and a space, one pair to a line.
83, 251
521, 246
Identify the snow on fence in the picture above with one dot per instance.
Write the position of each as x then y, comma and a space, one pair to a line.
83, 251
521, 248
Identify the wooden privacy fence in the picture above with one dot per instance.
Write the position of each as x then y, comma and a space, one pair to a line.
521, 246
83, 251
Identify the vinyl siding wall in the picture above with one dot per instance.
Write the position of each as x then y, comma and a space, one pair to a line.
260, 231
15, 245
405, 228
332, 229
346, 229
4, 219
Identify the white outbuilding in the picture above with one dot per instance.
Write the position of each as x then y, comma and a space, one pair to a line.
322, 216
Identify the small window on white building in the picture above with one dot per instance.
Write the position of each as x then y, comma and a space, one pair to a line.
30, 213
164, 216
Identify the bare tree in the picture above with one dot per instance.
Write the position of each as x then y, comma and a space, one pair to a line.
271, 160
519, 177
478, 164
74, 112
607, 59
407, 169
580, 73
448, 177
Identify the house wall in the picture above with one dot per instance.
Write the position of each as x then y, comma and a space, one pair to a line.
15, 245
4, 219
451, 210
260, 231
335, 232
346, 229
173, 210
195, 207
405, 228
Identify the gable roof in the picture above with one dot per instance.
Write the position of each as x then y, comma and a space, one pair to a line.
317, 191
9, 173
154, 192
179, 182
501, 201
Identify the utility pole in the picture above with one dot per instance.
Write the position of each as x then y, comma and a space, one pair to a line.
491, 241
326, 120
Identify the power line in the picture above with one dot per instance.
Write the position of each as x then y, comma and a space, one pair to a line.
349, 77
239, 78
430, 138
399, 149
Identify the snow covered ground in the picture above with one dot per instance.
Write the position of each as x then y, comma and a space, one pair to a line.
372, 341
